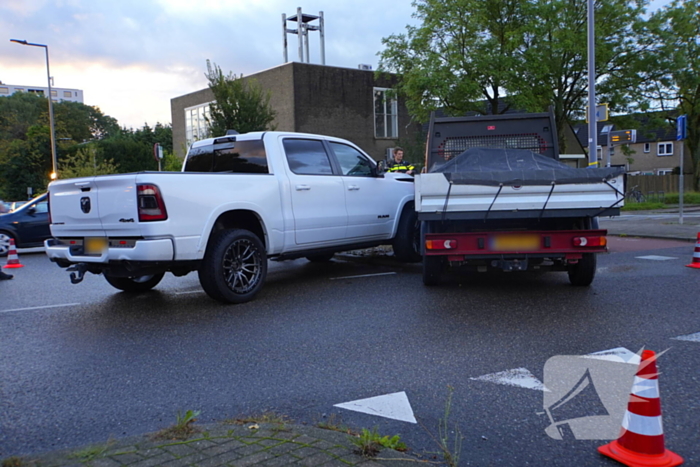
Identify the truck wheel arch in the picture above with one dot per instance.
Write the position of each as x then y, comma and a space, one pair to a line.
240, 219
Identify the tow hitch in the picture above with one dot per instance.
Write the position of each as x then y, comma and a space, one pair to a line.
77, 273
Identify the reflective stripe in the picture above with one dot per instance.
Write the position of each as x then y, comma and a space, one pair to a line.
648, 426
643, 387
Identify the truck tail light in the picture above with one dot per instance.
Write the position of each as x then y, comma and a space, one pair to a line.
590, 241
440, 244
151, 204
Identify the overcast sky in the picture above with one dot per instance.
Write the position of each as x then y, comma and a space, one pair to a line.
130, 57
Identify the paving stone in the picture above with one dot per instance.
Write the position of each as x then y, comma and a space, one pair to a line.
179, 450
202, 444
127, 458
305, 439
153, 461
249, 449
104, 462
319, 458
281, 461
254, 459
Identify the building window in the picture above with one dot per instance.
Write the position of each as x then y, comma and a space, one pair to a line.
67, 94
664, 171
54, 93
386, 115
664, 149
647, 147
4, 90
196, 127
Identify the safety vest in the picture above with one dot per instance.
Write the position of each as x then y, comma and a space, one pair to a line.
401, 167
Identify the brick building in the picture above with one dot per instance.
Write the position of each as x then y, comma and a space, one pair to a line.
344, 102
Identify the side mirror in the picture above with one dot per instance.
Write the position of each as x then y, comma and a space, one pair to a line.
31, 211
381, 168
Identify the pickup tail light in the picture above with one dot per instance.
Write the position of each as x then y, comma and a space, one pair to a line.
441, 244
151, 204
590, 241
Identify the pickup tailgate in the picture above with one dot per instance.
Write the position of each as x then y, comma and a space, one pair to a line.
94, 206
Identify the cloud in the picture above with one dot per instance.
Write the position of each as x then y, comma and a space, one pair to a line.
130, 57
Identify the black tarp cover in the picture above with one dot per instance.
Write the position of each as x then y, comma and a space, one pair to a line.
517, 167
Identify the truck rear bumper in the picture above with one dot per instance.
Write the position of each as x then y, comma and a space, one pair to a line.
142, 250
569, 244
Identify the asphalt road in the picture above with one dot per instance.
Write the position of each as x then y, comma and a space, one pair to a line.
81, 363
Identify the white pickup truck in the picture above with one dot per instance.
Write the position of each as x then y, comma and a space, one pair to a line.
239, 200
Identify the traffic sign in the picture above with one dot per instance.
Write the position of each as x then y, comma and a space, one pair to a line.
681, 127
601, 113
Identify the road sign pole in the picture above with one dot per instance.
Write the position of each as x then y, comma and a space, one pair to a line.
680, 136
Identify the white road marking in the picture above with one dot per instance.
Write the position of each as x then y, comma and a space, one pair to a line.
690, 337
363, 275
519, 377
394, 406
618, 354
39, 307
656, 258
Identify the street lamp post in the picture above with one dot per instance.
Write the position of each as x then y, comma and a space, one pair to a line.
54, 160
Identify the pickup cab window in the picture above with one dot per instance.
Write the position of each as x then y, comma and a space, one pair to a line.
352, 162
228, 156
307, 157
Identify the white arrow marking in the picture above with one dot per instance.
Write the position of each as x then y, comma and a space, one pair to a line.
656, 258
394, 406
618, 354
519, 377
690, 337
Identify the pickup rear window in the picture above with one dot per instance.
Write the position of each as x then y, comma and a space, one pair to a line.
229, 156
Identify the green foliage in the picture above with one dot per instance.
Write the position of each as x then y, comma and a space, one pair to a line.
241, 104
489, 57
369, 442
25, 144
672, 66
86, 162
691, 197
183, 426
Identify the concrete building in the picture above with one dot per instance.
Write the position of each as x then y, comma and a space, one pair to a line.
57, 94
343, 102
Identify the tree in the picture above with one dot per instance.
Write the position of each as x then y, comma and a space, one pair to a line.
488, 57
86, 162
241, 104
673, 71
458, 58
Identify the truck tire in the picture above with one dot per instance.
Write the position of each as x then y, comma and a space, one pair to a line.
582, 273
135, 284
407, 241
234, 266
433, 266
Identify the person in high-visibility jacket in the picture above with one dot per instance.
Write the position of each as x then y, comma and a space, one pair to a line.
400, 165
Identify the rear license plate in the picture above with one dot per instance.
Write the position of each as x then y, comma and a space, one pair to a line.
95, 245
522, 242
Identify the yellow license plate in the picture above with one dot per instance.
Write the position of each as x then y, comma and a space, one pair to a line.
95, 245
515, 242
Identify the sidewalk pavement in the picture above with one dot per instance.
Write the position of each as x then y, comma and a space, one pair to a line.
662, 223
249, 444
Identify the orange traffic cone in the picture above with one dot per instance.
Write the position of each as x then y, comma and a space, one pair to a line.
12, 258
696, 255
641, 443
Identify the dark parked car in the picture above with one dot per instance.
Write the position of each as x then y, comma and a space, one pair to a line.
28, 225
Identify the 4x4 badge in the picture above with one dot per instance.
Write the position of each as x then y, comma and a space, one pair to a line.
85, 205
